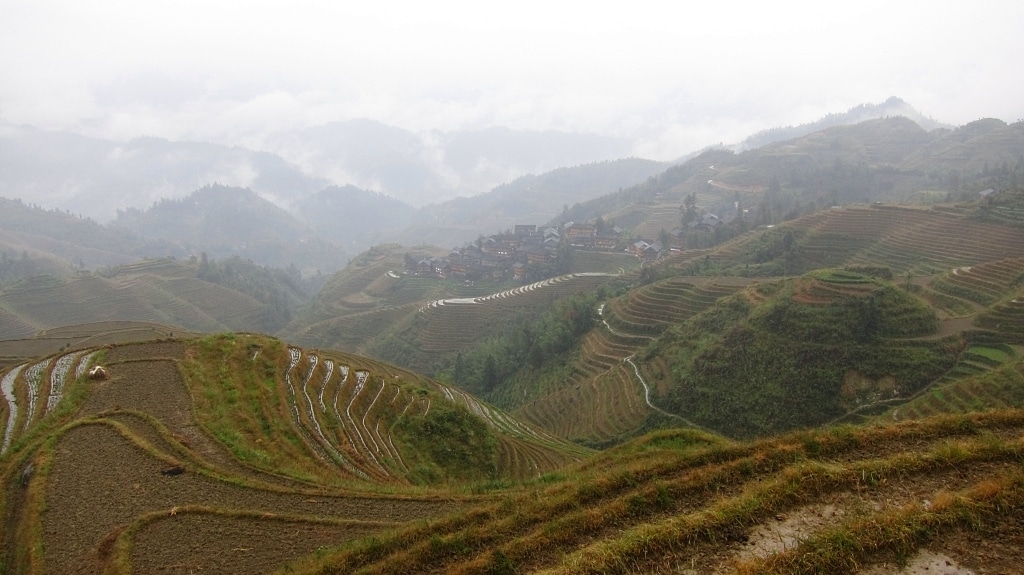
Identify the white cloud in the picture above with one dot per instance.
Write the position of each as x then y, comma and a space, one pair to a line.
674, 77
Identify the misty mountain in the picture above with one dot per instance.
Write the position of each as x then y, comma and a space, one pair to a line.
353, 218
893, 107
95, 177
30, 232
529, 199
495, 152
887, 160
432, 167
227, 221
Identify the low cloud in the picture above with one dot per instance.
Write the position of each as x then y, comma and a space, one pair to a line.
670, 78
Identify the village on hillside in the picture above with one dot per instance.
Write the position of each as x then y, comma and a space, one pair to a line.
529, 253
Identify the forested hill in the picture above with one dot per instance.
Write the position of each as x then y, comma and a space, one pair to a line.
223, 221
530, 199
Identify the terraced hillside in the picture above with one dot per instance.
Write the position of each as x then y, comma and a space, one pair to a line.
951, 317
90, 335
364, 300
938, 495
904, 239
374, 308
602, 394
235, 454
988, 376
890, 160
601, 397
155, 291
441, 328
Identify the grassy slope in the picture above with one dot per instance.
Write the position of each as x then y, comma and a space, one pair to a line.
684, 500
156, 291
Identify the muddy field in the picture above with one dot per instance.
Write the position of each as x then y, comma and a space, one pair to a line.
186, 544
117, 482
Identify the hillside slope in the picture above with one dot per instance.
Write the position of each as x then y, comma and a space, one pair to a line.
892, 301
529, 199
890, 160
158, 291
239, 433
225, 457
223, 221
936, 496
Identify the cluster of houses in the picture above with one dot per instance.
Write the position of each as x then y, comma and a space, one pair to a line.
528, 252
533, 253
499, 256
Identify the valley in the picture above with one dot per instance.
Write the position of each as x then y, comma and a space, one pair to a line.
804, 357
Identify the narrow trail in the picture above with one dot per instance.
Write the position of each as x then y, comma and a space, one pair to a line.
647, 398
509, 293
613, 331
636, 369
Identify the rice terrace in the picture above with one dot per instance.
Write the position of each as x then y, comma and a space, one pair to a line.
829, 382
238, 453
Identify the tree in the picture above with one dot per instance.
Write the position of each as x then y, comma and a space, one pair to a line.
787, 241
869, 318
689, 208
459, 371
490, 374
665, 238
564, 257
204, 267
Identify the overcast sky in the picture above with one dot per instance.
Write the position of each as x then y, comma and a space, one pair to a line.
672, 76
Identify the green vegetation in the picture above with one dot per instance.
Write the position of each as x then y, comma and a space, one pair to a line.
237, 394
279, 290
884, 312
986, 377
429, 339
448, 443
746, 370
525, 345
1007, 206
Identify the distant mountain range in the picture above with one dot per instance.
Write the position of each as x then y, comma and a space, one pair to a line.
432, 167
159, 201
95, 177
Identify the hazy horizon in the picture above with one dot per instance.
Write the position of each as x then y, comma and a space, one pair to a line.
670, 80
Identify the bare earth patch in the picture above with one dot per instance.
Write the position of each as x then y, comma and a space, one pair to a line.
787, 530
924, 563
